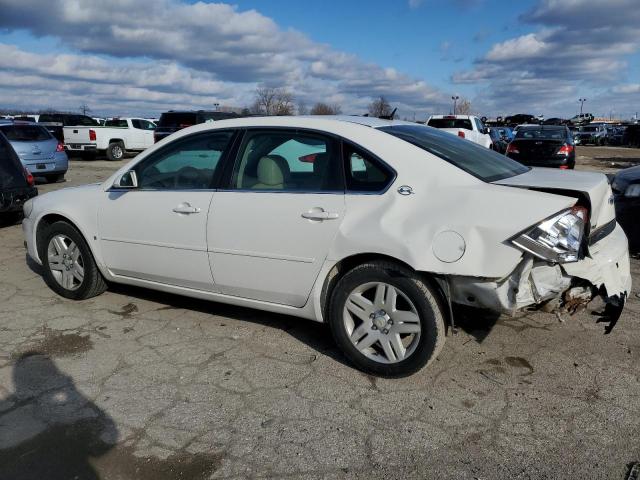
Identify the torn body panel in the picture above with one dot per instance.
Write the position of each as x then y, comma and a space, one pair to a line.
569, 286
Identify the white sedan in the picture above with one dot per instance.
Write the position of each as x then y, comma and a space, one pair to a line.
376, 227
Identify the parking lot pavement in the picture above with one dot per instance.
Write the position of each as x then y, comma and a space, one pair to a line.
145, 385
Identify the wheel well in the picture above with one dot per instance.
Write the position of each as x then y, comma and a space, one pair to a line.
45, 222
348, 263
116, 140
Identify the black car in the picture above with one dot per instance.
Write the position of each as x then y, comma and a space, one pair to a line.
626, 191
16, 183
499, 140
543, 146
519, 119
174, 120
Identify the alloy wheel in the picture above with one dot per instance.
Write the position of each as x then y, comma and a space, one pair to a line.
65, 262
381, 322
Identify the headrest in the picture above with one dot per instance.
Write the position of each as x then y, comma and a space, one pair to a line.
273, 170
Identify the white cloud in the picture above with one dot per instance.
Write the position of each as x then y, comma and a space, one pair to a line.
204, 48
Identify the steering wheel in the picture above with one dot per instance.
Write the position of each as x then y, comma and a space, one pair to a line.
190, 175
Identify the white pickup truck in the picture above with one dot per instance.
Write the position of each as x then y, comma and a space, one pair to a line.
464, 126
117, 137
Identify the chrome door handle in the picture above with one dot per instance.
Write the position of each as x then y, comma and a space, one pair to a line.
319, 214
186, 208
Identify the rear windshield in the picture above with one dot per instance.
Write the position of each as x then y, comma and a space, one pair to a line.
464, 123
480, 162
542, 133
25, 133
177, 119
79, 120
11, 173
115, 122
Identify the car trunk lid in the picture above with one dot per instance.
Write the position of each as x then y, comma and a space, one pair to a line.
535, 149
570, 182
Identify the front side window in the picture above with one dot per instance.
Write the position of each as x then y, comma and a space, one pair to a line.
364, 172
288, 161
186, 164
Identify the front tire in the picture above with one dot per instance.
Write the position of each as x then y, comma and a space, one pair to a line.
69, 267
115, 151
386, 319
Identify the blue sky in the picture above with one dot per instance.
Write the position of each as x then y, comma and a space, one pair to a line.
146, 56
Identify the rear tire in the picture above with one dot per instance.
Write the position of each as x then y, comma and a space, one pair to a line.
404, 329
69, 267
115, 151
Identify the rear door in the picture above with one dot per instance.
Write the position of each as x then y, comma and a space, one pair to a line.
141, 132
270, 231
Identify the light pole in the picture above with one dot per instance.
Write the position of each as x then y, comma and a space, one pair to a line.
581, 100
455, 99
216, 106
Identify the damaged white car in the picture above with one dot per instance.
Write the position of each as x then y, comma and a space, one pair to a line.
373, 226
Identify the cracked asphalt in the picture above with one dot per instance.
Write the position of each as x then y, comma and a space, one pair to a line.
145, 385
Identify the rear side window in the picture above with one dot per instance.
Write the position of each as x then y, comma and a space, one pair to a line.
116, 122
365, 173
289, 161
79, 120
463, 123
25, 133
142, 124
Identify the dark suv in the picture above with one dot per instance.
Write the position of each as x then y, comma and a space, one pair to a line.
175, 120
16, 183
54, 122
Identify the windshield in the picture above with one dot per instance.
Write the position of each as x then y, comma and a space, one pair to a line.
480, 162
541, 133
464, 123
25, 133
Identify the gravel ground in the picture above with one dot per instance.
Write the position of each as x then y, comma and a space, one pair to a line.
145, 385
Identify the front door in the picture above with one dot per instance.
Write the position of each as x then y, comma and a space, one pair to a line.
158, 231
270, 232
142, 133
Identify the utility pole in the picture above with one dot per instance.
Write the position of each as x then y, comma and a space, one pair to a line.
455, 99
581, 100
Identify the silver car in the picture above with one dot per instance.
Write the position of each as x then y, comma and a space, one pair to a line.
39, 151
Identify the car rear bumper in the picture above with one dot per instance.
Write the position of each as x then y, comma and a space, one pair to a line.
81, 147
13, 200
606, 271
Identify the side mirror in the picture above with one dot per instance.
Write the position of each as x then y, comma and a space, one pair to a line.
128, 180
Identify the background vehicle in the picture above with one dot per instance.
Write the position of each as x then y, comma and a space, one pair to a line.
595, 134
506, 132
519, 119
16, 183
499, 141
116, 138
543, 146
380, 268
55, 122
554, 121
581, 119
38, 150
626, 188
175, 120
468, 127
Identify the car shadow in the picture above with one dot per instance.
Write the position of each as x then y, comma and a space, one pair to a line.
50, 430
316, 335
475, 321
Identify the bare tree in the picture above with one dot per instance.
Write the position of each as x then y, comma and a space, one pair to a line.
463, 107
302, 108
321, 108
273, 101
84, 108
380, 107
